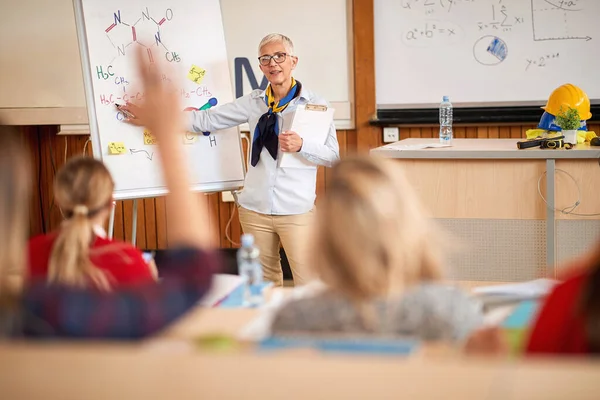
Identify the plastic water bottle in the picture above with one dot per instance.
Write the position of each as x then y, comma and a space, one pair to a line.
446, 121
251, 270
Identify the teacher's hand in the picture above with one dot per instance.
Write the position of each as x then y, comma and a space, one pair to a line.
134, 115
290, 142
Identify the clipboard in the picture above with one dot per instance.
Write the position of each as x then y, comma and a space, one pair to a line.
312, 122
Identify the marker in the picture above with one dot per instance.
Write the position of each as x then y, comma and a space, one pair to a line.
127, 113
211, 103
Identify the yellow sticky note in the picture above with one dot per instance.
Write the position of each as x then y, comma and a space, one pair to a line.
115, 148
196, 74
149, 138
190, 138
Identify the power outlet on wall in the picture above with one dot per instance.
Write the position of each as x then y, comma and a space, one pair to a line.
391, 134
227, 197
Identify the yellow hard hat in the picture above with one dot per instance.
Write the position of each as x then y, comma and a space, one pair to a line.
569, 96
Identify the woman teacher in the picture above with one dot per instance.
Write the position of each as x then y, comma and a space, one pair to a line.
277, 204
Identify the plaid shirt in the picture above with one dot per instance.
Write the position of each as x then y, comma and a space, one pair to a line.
125, 313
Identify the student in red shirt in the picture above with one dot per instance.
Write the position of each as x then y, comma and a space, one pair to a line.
569, 320
79, 251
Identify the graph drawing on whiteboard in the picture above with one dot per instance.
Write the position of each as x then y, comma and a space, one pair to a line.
559, 20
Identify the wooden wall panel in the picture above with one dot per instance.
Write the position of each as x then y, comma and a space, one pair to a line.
368, 137
30, 140
161, 222
119, 228
474, 132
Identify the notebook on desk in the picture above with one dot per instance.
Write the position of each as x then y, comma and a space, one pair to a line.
513, 293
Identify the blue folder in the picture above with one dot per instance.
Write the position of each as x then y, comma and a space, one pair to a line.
391, 347
236, 298
522, 316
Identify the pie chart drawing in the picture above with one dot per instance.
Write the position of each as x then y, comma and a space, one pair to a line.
490, 50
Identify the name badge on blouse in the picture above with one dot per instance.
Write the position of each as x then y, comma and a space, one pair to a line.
316, 107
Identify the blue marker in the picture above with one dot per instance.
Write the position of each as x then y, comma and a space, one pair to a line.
211, 103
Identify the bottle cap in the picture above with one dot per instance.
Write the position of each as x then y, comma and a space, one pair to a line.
247, 240
445, 98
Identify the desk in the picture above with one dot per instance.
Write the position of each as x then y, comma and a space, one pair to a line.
93, 372
146, 371
229, 321
485, 192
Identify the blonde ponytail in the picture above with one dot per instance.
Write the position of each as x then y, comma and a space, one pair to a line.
83, 188
70, 261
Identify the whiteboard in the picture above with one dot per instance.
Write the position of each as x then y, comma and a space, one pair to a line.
186, 36
500, 52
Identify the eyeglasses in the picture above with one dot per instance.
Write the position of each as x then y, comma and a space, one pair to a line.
277, 57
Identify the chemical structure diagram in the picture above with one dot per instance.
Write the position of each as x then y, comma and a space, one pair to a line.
123, 36
145, 32
124, 32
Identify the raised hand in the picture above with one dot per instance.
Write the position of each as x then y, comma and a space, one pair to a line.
160, 110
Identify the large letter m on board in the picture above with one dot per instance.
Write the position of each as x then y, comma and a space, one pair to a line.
242, 64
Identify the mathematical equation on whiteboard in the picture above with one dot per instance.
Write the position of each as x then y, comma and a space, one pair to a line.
432, 33
430, 7
125, 34
495, 25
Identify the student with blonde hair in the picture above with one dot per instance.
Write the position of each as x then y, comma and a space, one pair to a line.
380, 258
57, 309
79, 253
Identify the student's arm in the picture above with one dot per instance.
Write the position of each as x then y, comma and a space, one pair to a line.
226, 116
188, 223
59, 311
320, 154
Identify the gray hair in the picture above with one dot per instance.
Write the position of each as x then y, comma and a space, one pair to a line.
277, 37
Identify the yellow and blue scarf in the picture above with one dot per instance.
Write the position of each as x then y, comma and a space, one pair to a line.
266, 131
